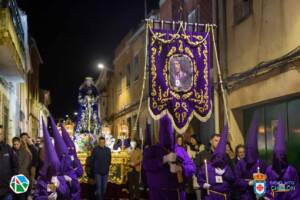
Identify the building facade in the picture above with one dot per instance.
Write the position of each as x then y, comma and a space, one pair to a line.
125, 86
14, 65
262, 69
33, 90
19, 73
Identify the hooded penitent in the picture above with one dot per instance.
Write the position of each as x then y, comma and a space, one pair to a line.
68, 141
50, 173
148, 135
51, 164
251, 143
60, 146
166, 133
218, 158
279, 153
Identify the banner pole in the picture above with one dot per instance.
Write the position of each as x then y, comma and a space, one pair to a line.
144, 78
220, 78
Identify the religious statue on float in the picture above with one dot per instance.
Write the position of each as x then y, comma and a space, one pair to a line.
88, 123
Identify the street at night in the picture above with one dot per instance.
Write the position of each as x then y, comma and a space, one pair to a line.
149, 99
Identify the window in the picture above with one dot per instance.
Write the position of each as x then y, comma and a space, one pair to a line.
242, 9
192, 17
136, 66
268, 118
128, 75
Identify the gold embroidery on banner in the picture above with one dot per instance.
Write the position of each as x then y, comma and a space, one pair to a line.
172, 51
205, 53
184, 106
159, 49
187, 95
161, 107
198, 97
199, 51
190, 42
189, 52
196, 73
200, 109
152, 41
153, 71
159, 94
177, 106
183, 116
158, 36
154, 103
174, 94
177, 115
180, 46
165, 72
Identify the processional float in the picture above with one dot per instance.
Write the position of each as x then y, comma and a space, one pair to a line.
88, 129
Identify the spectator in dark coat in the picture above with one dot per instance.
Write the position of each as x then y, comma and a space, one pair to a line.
208, 152
8, 167
100, 163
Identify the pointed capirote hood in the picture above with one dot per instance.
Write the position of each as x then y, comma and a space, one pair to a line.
279, 152
251, 142
60, 146
218, 158
51, 163
166, 133
68, 141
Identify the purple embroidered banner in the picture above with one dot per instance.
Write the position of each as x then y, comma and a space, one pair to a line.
179, 76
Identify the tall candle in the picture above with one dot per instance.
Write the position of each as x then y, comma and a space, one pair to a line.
206, 173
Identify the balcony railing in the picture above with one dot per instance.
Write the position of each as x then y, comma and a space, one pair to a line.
16, 18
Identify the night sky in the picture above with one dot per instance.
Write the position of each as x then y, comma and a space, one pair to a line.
73, 36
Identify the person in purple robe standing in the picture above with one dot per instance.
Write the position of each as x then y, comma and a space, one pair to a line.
215, 177
50, 185
67, 169
280, 170
245, 168
76, 164
167, 168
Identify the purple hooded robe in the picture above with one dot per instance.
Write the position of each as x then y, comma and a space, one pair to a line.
220, 181
161, 182
51, 167
66, 162
246, 167
280, 170
72, 152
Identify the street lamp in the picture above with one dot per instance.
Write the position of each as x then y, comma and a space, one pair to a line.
100, 66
